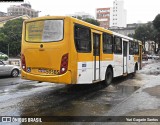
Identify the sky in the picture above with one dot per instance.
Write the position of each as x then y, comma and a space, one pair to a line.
138, 11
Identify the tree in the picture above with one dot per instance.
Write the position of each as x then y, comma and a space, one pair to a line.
92, 21
141, 34
145, 33
10, 35
156, 23
89, 20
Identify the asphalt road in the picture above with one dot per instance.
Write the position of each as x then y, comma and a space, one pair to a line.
126, 96
29, 98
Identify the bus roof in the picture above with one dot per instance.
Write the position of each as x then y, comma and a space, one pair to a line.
85, 24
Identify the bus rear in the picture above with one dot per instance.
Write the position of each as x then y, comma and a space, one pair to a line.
44, 52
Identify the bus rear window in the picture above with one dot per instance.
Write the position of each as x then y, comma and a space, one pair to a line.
44, 31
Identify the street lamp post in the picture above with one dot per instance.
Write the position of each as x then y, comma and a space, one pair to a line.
152, 47
8, 49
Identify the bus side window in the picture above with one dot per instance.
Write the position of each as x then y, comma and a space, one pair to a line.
131, 49
82, 38
107, 43
136, 48
117, 45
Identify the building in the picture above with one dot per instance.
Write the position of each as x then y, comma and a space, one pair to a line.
23, 9
103, 17
128, 30
83, 15
2, 14
150, 47
113, 17
118, 17
3, 20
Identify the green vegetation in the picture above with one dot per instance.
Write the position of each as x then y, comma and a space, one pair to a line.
145, 33
92, 21
149, 32
156, 23
89, 20
10, 37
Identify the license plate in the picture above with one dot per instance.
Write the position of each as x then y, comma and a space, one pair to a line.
49, 71
42, 70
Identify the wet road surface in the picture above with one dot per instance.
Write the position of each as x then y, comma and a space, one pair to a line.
30, 98
144, 102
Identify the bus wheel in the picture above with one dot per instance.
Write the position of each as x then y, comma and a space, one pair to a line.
108, 77
135, 68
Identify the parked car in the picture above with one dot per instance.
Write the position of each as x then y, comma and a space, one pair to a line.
3, 56
144, 57
153, 57
9, 70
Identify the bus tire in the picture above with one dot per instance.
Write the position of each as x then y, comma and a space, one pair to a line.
108, 76
135, 68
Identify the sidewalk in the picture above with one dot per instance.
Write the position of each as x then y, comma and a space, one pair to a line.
143, 102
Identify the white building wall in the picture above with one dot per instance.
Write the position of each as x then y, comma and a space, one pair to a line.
119, 14
111, 17
81, 14
124, 24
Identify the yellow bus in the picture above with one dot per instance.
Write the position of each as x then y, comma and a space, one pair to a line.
62, 49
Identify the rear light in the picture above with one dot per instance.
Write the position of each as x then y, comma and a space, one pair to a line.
23, 62
64, 63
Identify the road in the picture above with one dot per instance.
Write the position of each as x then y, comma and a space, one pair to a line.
29, 98
33, 98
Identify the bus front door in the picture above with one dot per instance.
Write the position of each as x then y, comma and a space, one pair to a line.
140, 56
125, 56
96, 57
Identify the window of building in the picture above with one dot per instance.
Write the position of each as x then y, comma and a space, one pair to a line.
117, 45
107, 43
82, 37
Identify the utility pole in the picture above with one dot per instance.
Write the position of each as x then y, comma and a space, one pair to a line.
8, 49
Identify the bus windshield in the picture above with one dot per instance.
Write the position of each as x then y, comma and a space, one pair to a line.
44, 31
